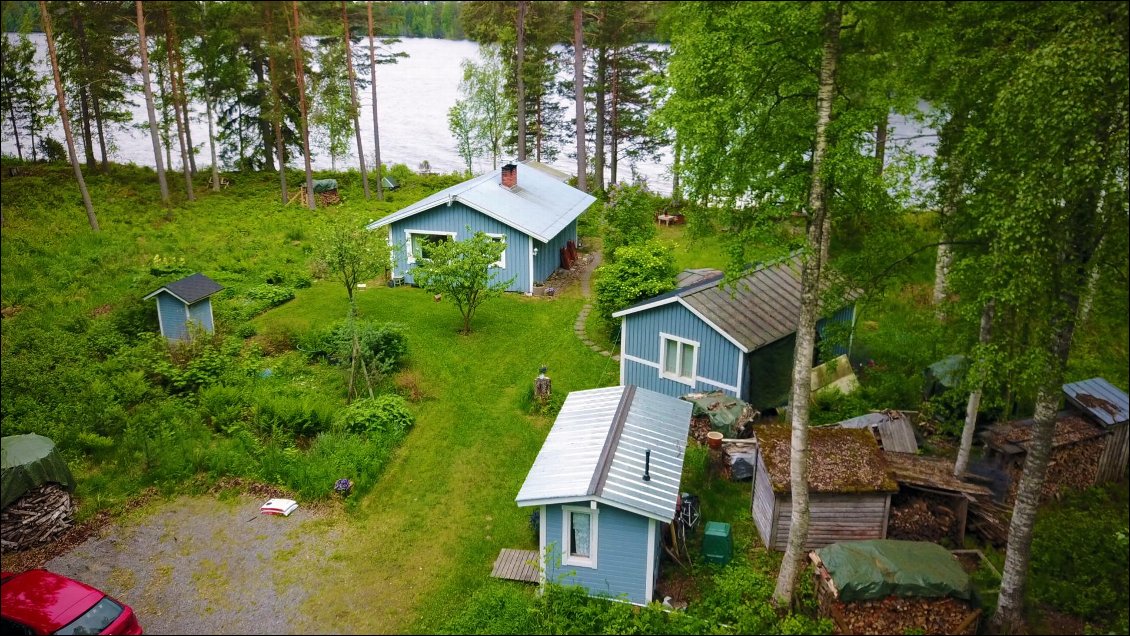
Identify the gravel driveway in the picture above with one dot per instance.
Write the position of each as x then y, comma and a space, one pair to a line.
200, 565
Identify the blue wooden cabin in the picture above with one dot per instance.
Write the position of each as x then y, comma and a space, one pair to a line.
532, 210
183, 301
607, 481
706, 337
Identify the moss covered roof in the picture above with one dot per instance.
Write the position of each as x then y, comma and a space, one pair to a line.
839, 460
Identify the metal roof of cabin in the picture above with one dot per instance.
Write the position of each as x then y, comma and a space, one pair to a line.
895, 431
596, 449
540, 205
190, 289
1103, 401
760, 308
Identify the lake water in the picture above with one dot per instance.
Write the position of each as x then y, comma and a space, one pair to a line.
413, 97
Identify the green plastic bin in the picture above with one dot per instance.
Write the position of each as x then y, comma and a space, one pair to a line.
717, 543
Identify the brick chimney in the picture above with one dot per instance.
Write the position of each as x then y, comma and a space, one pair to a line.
509, 176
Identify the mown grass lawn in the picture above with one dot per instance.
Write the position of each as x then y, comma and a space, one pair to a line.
427, 535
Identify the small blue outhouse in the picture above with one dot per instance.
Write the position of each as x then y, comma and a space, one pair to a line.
183, 301
707, 337
607, 482
526, 206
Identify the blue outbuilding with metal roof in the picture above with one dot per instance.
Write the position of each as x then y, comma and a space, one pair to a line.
531, 210
607, 482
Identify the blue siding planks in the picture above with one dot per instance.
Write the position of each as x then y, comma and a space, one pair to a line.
717, 357
621, 559
844, 320
548, 258
201, 312
172, 316
456, 218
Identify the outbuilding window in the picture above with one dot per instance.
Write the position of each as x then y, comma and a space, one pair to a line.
501, 262
678, 358
419, 241
579, 536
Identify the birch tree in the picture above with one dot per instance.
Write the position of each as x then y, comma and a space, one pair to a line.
143, 48
579, 93
301, 77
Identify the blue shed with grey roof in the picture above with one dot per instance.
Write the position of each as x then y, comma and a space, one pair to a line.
607, 481
738, 339
522, 205
184, 301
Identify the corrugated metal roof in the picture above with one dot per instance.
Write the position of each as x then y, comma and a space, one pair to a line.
560, 175
540, 205
596, 450
1103, 401
895, 432
190, 289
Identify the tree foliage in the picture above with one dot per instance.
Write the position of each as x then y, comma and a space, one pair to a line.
638, 271
464, 272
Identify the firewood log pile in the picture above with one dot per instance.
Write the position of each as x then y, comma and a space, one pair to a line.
700, 426
922, 518
38, 517
900, 615
329, 198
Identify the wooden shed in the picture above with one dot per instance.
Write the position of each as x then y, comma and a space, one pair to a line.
184, 301
850, 486
1109, 407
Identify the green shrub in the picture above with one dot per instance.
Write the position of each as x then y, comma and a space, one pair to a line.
246, 330
629, 218
384, 346
384, 414
269, 295
640, 271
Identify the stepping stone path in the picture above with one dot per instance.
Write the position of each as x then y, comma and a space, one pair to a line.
579, 325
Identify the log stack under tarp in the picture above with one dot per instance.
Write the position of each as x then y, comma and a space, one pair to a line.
38, 517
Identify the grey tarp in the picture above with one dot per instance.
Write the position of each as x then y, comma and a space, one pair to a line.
868, 570
726, 413
28, 462
324, 185
943, 375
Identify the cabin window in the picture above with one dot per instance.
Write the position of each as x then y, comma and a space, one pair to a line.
420, 240
501, 262
578, 536
678, 358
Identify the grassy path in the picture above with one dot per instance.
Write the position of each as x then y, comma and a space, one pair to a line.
425, 538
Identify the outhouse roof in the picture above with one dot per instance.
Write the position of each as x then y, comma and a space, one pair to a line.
596, 451
540, 205
190, 289
1104, 402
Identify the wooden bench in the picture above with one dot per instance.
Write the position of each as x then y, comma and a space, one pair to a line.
223, 182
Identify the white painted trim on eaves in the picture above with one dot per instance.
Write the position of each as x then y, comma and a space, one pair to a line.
717, 384
713, 326
655, 365
649, 363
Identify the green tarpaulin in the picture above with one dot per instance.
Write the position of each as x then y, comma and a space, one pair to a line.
324, 185
869, 570
28, 462
725, 412
943, 375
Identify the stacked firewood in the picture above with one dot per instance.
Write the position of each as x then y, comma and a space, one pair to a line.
990, 520
700, 426
38, 517
900, 615
330, 197
921, 519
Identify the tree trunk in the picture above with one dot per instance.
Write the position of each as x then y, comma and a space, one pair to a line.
63, 118
265, 131
676, 186
15, 129
353, 102
614, 132
941, 274
962, 463
212, 144
185, 114
1009, 617
538, 134
806, 323
519, 73
276, 105
101, 134
173, 50
1096, 271
881, 143
165, 117
84, 93
598, 139
579, 89
300, 75
143, 47
373, 88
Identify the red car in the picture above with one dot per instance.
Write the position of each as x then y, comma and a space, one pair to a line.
40, 602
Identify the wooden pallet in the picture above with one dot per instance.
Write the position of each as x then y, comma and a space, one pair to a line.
517, 565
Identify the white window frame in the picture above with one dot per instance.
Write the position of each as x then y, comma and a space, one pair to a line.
501, 262
408, 240
566, 545
689, 380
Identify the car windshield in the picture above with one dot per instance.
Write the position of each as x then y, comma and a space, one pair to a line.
95, 619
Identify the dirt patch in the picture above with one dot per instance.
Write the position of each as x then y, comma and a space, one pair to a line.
203, 565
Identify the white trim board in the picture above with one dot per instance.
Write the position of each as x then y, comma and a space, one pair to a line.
594, 524
649, 572
688, 379
553, 501
411, 258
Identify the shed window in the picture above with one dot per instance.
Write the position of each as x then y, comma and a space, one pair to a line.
579, 527
501, 262
678, 358
420, 241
